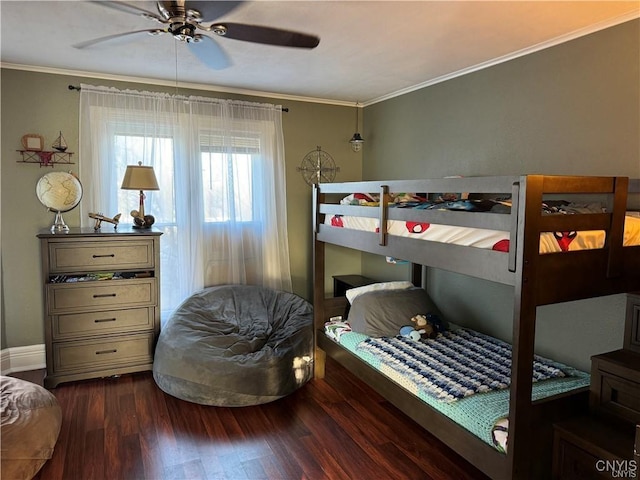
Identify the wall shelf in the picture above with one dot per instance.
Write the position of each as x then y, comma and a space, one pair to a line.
45, 158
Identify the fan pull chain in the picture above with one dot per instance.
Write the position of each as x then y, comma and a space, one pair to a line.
175, 48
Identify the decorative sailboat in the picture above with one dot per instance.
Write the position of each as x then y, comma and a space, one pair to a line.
60, 144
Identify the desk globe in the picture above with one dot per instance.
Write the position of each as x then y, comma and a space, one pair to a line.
59, 192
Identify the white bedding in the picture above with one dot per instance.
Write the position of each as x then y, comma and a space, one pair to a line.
550, 242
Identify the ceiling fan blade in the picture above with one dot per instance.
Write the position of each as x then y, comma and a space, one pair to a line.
209, 53
266, 35
125, 36
211, 11
129, 8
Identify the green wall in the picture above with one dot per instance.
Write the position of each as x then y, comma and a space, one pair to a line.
570, 109
41, 103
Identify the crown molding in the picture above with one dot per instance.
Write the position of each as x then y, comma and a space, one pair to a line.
167, 83
612, 22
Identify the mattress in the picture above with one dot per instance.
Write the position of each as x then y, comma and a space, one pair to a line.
483, 414
550, 242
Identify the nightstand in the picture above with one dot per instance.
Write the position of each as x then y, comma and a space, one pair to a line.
342, 283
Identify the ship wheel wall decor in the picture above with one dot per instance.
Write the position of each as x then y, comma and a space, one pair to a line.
318, 166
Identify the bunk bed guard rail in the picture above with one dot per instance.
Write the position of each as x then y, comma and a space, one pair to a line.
526, 192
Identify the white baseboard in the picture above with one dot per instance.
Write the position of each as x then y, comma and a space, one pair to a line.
5, 361
20, 359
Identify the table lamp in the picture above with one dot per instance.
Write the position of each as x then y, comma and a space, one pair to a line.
139, 177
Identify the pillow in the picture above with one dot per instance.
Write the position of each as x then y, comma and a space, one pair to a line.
352, 293
381, 313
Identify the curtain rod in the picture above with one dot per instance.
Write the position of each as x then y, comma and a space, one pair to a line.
73, 87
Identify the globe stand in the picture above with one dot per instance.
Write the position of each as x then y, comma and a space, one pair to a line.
59, 192
59, 225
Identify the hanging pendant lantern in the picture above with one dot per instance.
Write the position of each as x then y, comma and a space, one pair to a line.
357, 140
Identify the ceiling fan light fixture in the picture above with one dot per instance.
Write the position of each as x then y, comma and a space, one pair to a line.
182, 31
194, 15
182, 21
220, 30
162, 10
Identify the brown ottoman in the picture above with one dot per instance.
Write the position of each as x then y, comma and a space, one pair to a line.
30, 425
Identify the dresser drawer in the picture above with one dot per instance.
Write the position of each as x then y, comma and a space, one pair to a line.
76, 325
632, 323
589, 448
615, 384
100, 295
619, 396
67, 257
102, 354
573, 463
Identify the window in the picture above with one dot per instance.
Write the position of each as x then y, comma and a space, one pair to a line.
227, 186
228, 177
221, 176
156, 151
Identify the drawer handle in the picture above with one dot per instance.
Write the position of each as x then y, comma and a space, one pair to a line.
102, 295
102, 320
110, 255
102, 352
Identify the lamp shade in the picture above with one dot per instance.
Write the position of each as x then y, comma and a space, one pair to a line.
139, 177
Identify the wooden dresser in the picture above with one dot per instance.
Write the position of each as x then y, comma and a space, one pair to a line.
101, 302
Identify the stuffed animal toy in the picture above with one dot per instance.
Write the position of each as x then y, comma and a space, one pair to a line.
409, 332
424, 326
435, 321
430, 323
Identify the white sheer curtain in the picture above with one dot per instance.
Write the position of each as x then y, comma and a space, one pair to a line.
220, 168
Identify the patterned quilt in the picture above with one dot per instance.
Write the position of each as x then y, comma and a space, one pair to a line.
454, 365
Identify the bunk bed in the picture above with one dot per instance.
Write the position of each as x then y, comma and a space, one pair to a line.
537, 278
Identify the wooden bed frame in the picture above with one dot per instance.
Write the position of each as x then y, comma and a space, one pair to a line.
537, 280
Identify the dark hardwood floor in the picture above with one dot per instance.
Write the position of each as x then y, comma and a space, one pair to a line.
336, 428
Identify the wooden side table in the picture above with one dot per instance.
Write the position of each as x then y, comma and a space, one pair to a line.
342, 283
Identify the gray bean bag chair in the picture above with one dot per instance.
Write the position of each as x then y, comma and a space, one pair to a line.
29, 427
235, 345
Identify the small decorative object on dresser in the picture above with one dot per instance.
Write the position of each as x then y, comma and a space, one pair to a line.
139, 177
60, 192
101, 302
99, 218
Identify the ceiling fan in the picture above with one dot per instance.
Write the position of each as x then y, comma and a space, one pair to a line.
184, 20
